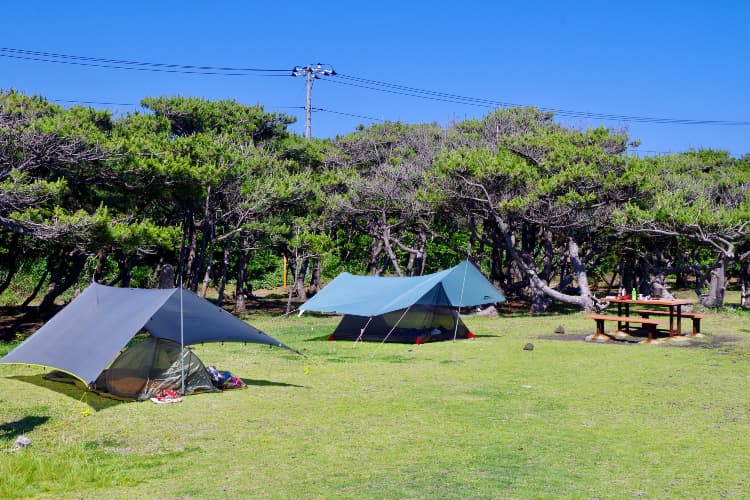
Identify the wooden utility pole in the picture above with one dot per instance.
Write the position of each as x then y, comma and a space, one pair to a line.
310, 73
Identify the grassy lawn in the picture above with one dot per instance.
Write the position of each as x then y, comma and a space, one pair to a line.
476, 418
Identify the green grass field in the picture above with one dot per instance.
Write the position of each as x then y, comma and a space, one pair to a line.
476, 418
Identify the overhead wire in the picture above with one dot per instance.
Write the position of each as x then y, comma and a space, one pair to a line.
100, 62
73, 101
393, 88
346, 114
341, 79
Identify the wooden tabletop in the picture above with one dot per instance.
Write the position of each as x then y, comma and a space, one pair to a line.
653, 302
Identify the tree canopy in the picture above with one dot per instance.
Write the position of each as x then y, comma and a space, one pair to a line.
220, 192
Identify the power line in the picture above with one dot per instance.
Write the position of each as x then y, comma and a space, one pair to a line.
393, 88
99, 62
347, 114
72, 101
130, 104
341, 79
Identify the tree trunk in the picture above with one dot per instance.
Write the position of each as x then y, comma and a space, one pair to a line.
581, 275
376, 248
37, 287
540, 302
11, 262
66, 277
10, 273
643, 286
420, 260
183, 248
658, 288
124, 267
745, 284
681, 280
101, 259
294, 266
497, 265
410, 264
200, 259
585, 302
300, 271
209, 263
239, 294
224, 270
627, 281
191, 251
166, 277
389, 251
717, 286
315, 277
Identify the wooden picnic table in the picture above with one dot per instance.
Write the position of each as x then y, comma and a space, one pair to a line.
674, 307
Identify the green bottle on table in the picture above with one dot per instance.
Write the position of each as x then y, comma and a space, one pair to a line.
633, 294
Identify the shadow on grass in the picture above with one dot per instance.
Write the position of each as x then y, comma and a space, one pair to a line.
268, 383
10, 430
322, 338
92, 399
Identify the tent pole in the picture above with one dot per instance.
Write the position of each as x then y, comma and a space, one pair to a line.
392, 329
460, 303
182, 344
362, 331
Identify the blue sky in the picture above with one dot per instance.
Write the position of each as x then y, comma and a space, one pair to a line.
673, 60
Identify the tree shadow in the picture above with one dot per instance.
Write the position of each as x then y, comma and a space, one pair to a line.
265, 383
10, 430
75, 391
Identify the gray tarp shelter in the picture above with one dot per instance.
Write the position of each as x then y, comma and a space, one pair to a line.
404, 309
89, 332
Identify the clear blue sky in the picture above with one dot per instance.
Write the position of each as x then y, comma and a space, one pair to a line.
645, 59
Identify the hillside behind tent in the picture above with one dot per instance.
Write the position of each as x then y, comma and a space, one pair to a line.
86, 335
404, 309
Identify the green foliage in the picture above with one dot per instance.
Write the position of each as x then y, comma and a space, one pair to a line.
702, 195
211, 175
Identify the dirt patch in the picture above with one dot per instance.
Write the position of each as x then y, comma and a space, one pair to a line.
19, 322
563, 337
721, 342
724, 342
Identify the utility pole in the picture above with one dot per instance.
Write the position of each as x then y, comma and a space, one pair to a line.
310, 73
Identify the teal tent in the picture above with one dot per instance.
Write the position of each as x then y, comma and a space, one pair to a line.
412, 309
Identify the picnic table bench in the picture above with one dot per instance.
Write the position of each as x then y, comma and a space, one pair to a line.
696, 317
648, 324
673, 309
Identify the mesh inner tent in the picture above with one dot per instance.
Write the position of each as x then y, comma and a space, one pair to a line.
419, 324
146, 368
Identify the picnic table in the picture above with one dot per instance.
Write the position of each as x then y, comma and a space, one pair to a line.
660, 307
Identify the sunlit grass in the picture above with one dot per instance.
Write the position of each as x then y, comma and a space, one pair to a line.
466, 419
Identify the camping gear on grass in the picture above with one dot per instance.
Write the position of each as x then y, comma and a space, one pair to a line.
412, 309
151, 366
85, 336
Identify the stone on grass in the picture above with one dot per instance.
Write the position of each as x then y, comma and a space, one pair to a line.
489, 311
599, 338
21, 442
528, 347
620, 335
